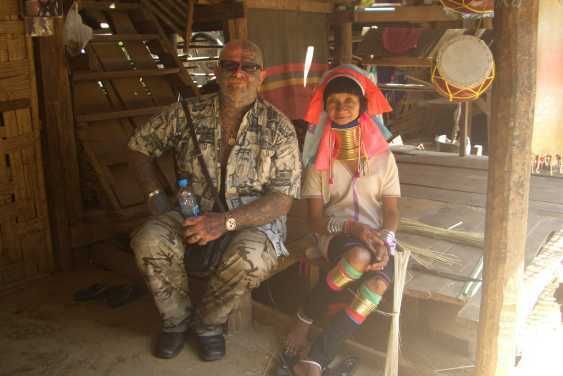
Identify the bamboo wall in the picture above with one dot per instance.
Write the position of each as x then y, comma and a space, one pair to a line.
25, 244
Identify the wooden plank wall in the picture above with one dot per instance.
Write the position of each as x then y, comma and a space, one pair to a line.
25, 242
448, 178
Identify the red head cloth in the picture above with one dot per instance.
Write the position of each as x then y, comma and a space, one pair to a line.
377, 104
372, 140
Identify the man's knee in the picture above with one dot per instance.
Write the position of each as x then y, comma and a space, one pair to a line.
251, 257
378, 285
153, 236
359, 256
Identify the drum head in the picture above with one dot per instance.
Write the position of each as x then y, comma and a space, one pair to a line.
465, 62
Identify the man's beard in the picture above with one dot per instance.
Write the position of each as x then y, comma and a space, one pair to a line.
239, 96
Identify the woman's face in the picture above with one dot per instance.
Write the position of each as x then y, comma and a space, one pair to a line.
342, 108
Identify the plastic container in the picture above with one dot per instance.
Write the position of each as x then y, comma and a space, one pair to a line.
187, 200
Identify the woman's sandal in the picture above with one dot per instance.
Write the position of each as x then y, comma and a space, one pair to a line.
288, 361
346, 367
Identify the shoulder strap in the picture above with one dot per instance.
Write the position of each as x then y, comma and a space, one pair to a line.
199, 155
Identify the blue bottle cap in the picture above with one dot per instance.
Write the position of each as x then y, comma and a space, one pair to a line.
183, 183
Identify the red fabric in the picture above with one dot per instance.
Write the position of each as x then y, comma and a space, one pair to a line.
283, 87
291, 100
399, 40
296, 67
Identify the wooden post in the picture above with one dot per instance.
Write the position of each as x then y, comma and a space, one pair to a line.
61, 173
465, 129
237, 28
343, 43
508, 184
189, 25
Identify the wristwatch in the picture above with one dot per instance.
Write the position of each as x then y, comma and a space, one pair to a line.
230, 223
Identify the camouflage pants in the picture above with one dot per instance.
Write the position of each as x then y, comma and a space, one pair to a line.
159, 250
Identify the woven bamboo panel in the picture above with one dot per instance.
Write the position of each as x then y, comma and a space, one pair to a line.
9, 10
25, 244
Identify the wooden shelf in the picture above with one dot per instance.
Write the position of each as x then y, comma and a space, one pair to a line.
421, 89
295, 5
400, 61
413, 14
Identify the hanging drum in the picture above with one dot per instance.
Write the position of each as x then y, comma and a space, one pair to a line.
463, 69
470, 7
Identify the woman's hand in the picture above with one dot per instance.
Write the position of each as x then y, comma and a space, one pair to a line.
376, 246
204, 228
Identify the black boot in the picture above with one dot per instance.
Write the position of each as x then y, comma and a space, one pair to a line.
211, 343
169, 344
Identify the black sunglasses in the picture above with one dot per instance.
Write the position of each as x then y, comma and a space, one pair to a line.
233, 66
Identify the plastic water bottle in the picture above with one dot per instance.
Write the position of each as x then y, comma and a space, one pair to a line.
187, 200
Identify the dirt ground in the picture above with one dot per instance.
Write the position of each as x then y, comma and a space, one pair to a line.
43, 332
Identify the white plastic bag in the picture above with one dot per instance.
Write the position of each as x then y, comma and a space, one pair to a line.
76, 34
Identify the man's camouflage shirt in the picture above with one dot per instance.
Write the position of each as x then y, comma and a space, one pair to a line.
265, 157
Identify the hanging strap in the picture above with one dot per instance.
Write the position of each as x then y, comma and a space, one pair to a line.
199, 155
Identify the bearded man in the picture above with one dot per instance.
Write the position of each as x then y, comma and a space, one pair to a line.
252, 154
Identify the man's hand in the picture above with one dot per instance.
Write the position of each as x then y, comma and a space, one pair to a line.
376, 246
204, 228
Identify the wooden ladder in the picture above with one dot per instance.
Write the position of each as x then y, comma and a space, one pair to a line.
129, 72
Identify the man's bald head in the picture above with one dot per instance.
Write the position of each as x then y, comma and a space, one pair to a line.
239, 72
246, 51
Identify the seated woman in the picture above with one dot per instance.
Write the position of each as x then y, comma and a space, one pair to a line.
352, 188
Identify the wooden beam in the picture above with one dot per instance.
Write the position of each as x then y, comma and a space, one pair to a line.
508, 184
412, 14
123, 37
62, 177
103, 116
218, 12
107, 5
399, 61
85, 76
14, 105
295, 5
